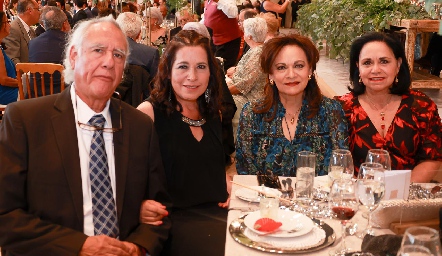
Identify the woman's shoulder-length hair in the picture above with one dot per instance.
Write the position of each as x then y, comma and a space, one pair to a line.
270, 51
404, 77
162, 95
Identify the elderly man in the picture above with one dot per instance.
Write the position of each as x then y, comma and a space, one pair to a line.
76, 166
183, 16
146, 56
21, 32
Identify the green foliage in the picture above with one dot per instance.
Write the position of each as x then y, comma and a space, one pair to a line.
339, 22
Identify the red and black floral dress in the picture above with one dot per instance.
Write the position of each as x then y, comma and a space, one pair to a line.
414, 135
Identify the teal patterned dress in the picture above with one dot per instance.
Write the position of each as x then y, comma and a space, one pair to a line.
261, 145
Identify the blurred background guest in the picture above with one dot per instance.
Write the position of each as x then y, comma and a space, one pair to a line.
248, 80
49, 46
11, 10
383, 112
185, 107
272, 25
142, 55
21, 31
292, 117
159, 34
8, 81
275, 8
221, 17
183, 16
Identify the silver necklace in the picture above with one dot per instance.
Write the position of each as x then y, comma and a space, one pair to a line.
192, 122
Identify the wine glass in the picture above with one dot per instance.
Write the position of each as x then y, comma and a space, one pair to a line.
343, 203
379, 156
371, 190
422, 236
413, 250
341, 165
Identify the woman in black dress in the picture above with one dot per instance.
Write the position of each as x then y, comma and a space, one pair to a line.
185, 107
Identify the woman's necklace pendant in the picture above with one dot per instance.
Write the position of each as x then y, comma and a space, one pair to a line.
192, 122
292, 120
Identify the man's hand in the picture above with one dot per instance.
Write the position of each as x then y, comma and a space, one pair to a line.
103, 245
152, 212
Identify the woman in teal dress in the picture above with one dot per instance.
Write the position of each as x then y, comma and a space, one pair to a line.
292, 117
8, 81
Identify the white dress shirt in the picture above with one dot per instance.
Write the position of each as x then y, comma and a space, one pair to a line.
84, 113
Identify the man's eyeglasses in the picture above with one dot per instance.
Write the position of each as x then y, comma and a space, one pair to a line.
96, 128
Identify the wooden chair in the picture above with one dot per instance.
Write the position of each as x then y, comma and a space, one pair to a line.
37, 79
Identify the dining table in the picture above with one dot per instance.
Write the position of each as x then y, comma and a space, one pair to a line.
238, 208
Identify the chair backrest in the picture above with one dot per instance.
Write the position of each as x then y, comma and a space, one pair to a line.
39, 79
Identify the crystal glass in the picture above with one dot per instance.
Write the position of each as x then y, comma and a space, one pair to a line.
379, 156
413, 250
422, 236
341, 165
343, 203
305, 175
371, 190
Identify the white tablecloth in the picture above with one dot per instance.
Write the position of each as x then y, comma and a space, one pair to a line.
235, 249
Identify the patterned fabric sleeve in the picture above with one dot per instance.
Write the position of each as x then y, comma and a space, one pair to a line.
244, 163
430, 128
248, 73
337, 119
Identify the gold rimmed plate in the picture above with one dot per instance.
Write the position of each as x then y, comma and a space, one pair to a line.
237, 231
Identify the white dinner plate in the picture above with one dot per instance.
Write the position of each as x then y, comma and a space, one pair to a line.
252, 196
290, 220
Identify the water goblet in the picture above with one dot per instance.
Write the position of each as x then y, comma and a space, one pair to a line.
344, 204
413, 250
380, 156
371, 190
341, 165
422, 236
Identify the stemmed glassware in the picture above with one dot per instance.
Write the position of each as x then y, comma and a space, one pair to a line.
419, 236
371, 190
380, 156
343, 203
341, 165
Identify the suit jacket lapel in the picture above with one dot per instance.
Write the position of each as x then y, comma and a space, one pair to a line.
66, 136
23, 31
121, 153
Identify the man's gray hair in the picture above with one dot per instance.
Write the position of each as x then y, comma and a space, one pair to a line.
53, 18
76, 39
197, 27
181, 12
156, 14
130, 23
23, 5
256, 28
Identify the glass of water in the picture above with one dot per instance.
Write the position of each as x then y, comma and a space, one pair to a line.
341, 165
305, 175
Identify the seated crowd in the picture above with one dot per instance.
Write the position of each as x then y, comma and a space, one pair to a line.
84, 172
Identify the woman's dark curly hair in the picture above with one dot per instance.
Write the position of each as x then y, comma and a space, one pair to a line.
270, 51
404, 78
162, 95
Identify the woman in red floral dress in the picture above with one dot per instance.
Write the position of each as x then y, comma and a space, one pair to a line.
383, 112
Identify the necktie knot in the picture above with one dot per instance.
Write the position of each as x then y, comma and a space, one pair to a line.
97, 120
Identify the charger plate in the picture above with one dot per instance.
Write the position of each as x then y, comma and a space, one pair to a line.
237, 230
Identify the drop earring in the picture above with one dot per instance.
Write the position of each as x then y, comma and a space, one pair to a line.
207, 96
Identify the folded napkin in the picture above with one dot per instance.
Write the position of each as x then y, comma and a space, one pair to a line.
383, 245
